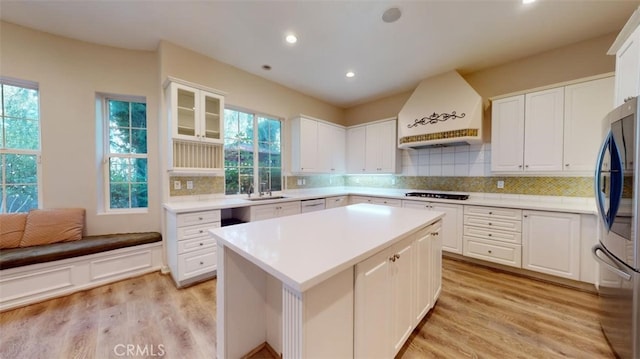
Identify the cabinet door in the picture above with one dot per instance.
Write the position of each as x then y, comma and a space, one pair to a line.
628, 68
211, 121
452, 224
356, 139
304, 148
372, 307
424, 271
436, 261
586, 105
331, 148
184, 104
373, 148
402, 271
551, 243
388, 147
338, 148
543, 130
507, 134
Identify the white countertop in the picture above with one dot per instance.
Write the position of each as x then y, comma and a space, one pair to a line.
580, 205
306, 249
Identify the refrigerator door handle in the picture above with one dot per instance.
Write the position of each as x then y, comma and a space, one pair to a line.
598, 182
616, 270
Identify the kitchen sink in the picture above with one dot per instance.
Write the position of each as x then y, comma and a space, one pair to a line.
265, 198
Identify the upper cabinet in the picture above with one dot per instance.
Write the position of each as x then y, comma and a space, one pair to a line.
195, 128
628, 68
196, 115
558, 129
317, 146
372, 148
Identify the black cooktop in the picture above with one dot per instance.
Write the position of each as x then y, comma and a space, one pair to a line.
456, 196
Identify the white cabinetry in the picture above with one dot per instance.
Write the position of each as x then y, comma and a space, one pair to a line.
628, 67
337, 201
551, 243
195, 127
493, 234
451, 222
559, 129
507, 134
391, 202
585, 105
191, 250
385, 309
268, 211
317, 146
543, 130
372, 148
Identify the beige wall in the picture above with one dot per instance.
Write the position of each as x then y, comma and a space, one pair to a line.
243, 89
69, 74
572, 62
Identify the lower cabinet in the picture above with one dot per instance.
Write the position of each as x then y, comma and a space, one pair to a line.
394, 290
392, 202
191, 250
451, 223
337, 201
551, 243
268, 211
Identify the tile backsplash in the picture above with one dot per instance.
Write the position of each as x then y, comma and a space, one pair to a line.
458, 161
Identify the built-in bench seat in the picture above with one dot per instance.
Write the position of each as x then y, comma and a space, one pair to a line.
22, 256
35, 273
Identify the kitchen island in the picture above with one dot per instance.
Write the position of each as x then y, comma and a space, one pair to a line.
341, 283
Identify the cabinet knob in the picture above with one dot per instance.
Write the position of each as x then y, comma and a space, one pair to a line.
397, 256
435, 234
526, 166
201, 244
201, 231
392, 258
525, 216
490, 223
201, 263
566, 165
489, 251
490, 212
200, 218
519, 166
489, 234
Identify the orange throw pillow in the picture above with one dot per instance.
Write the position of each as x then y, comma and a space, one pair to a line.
11, 229
45, 226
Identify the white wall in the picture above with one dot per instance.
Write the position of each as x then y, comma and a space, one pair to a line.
69, 74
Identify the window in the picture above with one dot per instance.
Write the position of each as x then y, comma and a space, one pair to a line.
125, 162
252, 152
19, 146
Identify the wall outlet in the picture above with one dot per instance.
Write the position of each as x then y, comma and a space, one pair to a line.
500, 184
177, 185
304, 181
357, 180
393, 181
189, 184
299, 181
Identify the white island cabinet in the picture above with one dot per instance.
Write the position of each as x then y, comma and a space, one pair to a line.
300, 284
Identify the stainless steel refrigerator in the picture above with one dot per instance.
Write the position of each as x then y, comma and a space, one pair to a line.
618, 253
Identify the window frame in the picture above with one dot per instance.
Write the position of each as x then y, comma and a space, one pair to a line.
37, 153
256, 150
105, 155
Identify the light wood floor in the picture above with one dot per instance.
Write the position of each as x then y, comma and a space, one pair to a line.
482, 313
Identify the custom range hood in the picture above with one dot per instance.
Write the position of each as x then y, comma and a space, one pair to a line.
443, 110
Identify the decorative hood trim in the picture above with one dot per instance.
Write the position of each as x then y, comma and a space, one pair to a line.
443, 110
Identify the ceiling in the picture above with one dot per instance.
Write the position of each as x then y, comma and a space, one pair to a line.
334, 37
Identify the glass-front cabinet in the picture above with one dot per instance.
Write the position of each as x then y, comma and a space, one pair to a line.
197, 114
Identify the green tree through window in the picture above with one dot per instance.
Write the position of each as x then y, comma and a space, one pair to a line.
252, 152
19, 146
127, 154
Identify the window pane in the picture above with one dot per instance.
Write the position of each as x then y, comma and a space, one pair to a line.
21, 169
231, 156
21, 134
21, 198
119, 114
20, 102
276, 179
118, 170
119, 195
138, 115
139, 170
138, 141
119, 140
139, 195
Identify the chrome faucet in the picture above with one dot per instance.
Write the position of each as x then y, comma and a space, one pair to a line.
264, 190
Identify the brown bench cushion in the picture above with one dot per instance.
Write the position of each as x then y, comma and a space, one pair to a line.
16, 257
46, 226
12, 229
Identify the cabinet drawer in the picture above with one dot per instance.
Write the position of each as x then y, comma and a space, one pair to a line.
333, 202
188, 219
491, 223
196, 244
201, 231
493, 251
196, 263
387, 202
493, 212
360, 199
491, 234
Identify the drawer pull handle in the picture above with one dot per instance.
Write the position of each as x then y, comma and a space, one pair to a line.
201, 244
489, 234
489, 251
490, 212
201, 231
200, 218
489, 223
201, 263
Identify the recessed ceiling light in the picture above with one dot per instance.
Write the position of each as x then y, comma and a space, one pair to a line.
528, 1
350, 74
391, 15
291, 38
